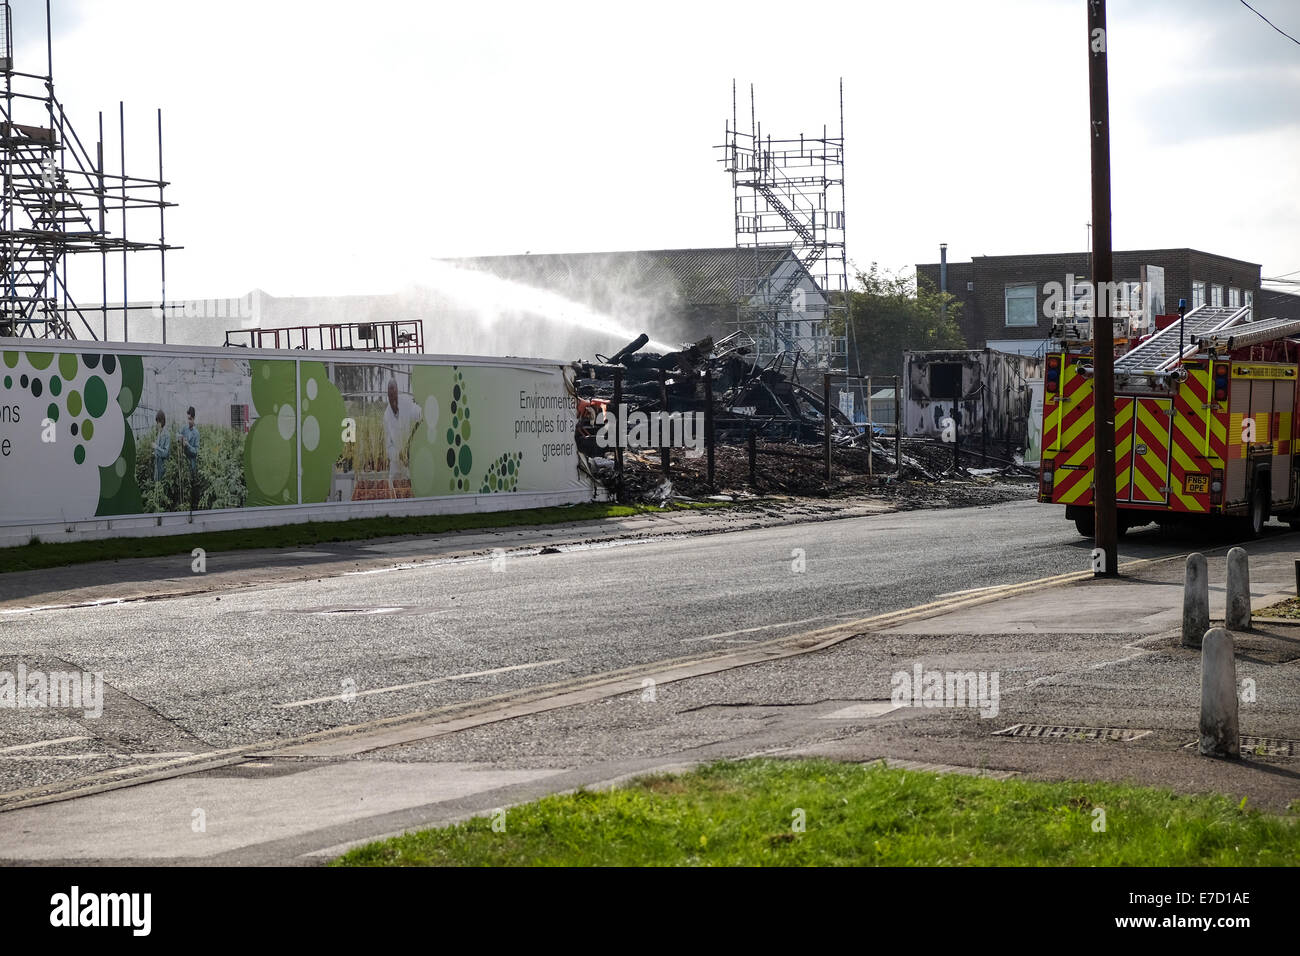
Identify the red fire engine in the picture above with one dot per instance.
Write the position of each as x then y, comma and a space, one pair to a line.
1205, 424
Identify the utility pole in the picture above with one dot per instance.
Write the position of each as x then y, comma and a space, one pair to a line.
943, 282
1103, 359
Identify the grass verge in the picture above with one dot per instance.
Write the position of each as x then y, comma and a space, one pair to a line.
746, 813
1290, 608
38, 554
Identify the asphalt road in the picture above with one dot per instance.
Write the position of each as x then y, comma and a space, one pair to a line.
191, 674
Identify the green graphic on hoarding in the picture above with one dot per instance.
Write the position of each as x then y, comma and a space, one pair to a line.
459, 457
502, 474
442, 454
322, 430
431, 388
86, 434
75, 393
271, 449
117, 494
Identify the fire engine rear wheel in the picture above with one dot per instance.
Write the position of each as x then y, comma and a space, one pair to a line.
1085, 522
1258, 516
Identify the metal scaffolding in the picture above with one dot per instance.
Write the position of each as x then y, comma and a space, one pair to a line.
789, 194
59, 201
401, 335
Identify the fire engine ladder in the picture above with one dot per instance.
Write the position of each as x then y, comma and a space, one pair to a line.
1251, 333
1161, 353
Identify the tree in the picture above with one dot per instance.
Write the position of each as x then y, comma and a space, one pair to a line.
893, 313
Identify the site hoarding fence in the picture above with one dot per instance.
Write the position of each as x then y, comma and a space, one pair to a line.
99, 434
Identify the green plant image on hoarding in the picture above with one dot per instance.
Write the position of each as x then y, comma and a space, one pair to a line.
367, 453
217, 481
271, 449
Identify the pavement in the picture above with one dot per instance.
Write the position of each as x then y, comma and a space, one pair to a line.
1091, 683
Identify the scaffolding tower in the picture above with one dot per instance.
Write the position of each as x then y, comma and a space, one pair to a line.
789, 195
59, 201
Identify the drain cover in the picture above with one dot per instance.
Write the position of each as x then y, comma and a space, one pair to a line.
1264, 746
1058, 731
1270, 746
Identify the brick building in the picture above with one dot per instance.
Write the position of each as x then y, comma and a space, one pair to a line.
1006, 299
1274, 303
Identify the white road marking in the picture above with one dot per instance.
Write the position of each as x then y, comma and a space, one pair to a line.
1078, 670
511, 553
41, 743
419, 683
7, 753
101, 602
55, 756
167, 753
1098, 666
856, 612
870, 708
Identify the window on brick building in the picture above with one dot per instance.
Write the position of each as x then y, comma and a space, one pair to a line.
1198, 294
1216, 296
1022, 305
1234, 298
1250, 304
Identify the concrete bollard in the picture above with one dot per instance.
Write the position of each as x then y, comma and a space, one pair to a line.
1196, 600
1237, 615
1219, 735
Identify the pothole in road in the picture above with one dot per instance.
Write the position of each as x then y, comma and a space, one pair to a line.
261, 769
356, 610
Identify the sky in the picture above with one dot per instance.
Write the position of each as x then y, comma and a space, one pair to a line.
322, 148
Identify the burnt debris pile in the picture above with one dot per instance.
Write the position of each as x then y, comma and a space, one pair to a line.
707, 419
